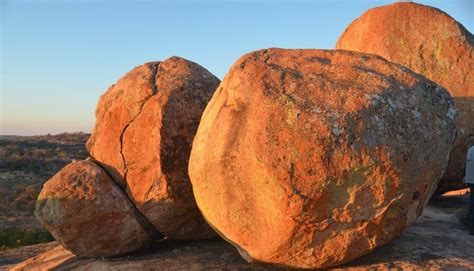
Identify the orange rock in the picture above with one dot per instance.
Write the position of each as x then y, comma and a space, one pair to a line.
431, 43
88, 214
312, 158
144, 130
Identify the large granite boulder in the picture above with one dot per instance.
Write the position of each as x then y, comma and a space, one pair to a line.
437, 241
145, 125
431, 43
312, 158
89, 215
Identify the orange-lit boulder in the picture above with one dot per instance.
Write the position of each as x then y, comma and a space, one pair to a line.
88, 214
145, 125
312, 158
431, 43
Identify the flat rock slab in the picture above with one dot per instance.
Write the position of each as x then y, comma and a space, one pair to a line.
14, 256
436, 241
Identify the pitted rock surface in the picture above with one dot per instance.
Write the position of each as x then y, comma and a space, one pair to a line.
312, 158
437, 241
88, 213
145, 125
431, 43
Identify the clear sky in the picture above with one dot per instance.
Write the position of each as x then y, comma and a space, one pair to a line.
58, 57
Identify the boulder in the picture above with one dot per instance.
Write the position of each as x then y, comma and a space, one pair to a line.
429, 42
88, 213
312, 158
440, 240
145, 125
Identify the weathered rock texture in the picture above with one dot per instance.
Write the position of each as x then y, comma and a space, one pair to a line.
437, 241
84, 210
145, 125
431, 43
311, 158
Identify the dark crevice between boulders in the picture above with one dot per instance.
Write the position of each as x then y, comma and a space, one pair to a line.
434, 191
181, 114
141, 218
152, 232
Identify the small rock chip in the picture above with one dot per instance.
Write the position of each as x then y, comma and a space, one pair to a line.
433, 44
312, 158
145, 125
88, 214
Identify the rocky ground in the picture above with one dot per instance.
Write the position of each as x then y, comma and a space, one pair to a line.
438, 240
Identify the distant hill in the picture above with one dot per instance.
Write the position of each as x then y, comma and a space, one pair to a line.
26, 162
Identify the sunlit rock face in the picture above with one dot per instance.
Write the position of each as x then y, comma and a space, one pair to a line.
429, 42
145, 125
311, 158
88, 214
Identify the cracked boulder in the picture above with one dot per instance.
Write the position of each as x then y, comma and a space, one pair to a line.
145, 125
88, 214
431, 43
312, 158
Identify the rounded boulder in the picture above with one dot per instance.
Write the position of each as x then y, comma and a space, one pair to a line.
312, 158
145, 125
431, 43
88, 214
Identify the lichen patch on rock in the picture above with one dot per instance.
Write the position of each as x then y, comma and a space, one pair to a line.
312, 158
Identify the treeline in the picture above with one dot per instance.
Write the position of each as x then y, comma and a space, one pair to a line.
41, 154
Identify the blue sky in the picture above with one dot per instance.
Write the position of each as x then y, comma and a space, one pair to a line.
58, 57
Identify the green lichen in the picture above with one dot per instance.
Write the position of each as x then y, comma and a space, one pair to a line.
341, 194
292, 115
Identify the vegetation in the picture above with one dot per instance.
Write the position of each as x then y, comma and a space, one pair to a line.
14, 237
25, 164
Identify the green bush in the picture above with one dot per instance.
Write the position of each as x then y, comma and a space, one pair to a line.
14, 237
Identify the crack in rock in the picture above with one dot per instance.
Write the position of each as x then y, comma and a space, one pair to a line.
152, 232
141, 218
154, 71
